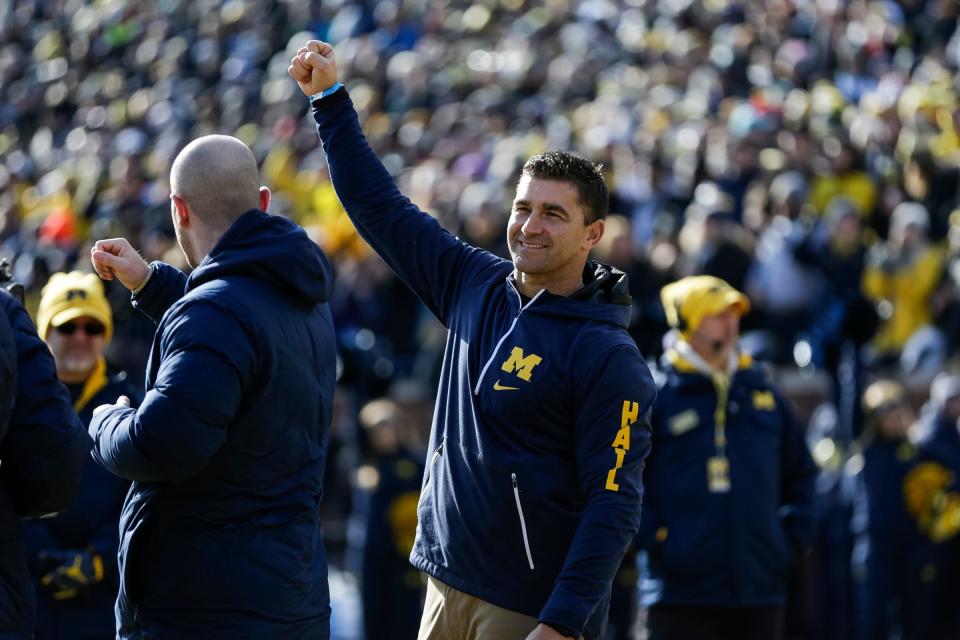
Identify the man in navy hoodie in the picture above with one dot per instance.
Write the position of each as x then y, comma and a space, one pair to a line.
532, 493
220, 533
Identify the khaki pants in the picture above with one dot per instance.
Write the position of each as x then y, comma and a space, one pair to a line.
449, 614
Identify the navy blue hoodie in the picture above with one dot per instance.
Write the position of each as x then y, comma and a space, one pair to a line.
533, 490
220, 535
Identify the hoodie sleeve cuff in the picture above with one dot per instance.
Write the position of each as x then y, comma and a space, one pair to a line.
145, 280
164, 287
338, 97
326, 92
562, 629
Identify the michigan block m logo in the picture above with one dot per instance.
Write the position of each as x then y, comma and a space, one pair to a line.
523, 365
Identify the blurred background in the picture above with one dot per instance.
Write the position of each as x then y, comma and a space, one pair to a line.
806, 151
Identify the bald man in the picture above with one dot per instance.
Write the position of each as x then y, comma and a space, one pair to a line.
220, 536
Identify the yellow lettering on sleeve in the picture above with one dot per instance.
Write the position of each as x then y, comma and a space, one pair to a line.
621, 443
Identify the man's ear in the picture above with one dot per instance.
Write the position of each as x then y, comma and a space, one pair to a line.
594, 233
182, 211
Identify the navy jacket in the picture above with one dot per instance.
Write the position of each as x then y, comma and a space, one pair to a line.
938, 439
532, 491
90, 522
220, 534
391, 589
42, 455
729, 549
935, 481
890, 552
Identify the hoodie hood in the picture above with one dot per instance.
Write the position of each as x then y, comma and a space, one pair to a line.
269, 248
605, 297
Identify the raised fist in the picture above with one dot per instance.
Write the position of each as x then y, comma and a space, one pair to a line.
314, 67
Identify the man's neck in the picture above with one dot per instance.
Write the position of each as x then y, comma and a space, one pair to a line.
72, 377
205, 239
530, 285
717, 362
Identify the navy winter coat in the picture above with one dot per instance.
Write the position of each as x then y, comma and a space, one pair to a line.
890, 552
220, 535
532, 492
42, 454
91, 522
729, 549
921, 578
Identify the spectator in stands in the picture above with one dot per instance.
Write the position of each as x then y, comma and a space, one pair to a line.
844, 174
73, 556
947, 298
831, 588
783, 289
893, 569
717, 245
844, 320
901, 277
386, 497
935, 493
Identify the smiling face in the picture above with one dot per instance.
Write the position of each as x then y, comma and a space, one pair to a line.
548, 239
76, 346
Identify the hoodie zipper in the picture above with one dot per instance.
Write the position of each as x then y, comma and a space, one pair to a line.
523, 523
496, 349
433, 462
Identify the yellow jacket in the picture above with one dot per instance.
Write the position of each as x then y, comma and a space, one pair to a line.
909, 289
858, 186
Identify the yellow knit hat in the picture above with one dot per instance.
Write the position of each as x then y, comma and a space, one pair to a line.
688, 301
68, 296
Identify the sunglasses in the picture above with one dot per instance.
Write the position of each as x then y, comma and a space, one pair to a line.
89, 328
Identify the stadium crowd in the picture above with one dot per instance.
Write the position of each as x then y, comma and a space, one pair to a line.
807, 152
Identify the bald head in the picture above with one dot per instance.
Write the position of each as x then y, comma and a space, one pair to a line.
217, 176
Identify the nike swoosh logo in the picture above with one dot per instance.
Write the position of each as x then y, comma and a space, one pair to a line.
499, 387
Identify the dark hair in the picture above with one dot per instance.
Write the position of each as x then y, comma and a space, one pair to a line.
571, 168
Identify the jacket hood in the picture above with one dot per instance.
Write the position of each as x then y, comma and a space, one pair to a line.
605, 297
269, 248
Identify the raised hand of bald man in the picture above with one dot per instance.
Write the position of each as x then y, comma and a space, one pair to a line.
115, 258
314, 67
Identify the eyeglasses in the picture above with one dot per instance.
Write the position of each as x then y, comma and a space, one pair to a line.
89, 328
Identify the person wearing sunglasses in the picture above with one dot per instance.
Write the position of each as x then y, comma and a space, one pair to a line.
73, 555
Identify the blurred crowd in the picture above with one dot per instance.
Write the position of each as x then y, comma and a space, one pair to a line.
805, 151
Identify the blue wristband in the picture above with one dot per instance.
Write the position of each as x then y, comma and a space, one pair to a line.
326, 92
